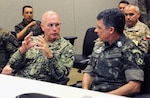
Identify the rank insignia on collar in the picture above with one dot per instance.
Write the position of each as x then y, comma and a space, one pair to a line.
119, 43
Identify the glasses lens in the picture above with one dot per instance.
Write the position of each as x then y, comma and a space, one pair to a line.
53, 24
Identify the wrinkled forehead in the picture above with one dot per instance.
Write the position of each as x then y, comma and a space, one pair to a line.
129, 10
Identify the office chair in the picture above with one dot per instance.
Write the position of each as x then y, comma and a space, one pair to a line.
71, 39
81, 60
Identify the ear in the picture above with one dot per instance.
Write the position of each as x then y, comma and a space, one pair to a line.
138, 15
111, 30
42, 27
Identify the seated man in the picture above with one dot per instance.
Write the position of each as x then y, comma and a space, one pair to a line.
137, 31
47, 58
8, 45
116, 64
27, 25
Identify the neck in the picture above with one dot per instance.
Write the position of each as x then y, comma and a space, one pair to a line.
114, 38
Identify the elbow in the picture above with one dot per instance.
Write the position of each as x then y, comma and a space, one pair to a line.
136, 88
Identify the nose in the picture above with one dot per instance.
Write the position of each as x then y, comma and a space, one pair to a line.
127, 16
96, 30
29, 13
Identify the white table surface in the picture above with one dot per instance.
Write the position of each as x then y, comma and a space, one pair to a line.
11, 86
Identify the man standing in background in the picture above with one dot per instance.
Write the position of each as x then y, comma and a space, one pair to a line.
27, 25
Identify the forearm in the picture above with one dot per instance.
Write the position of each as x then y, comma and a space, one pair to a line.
22, 50
22, 33
128, 89
58, 68
86, 81
15, 60
65, 61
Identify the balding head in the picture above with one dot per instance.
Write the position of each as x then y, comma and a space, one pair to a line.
132, 14
51, 25
49, 14
132, 6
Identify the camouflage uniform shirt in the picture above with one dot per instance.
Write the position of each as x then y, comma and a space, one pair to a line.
35, 65
112, 66
36, 30
138, 35
8, 45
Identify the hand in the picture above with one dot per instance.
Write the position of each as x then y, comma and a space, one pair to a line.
42, 45
7, 70
27, 43
31, 24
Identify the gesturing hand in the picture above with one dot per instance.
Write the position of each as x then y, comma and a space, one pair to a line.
27, 43
32, 24
42, 45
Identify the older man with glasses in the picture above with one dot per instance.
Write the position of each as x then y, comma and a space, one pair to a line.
48, 57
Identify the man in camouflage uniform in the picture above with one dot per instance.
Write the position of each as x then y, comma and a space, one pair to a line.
27, 25
46, 58
144, 6
8, 45
116, 63
137, 31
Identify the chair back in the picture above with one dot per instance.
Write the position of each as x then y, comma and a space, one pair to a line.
145, 89
88, 42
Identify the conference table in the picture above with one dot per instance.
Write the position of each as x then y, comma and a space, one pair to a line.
11, 86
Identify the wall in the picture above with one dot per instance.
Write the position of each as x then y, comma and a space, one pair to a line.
76, 15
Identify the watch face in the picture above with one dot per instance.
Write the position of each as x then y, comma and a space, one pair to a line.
34, 95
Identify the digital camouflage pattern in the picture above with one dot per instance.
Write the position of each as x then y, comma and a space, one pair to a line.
35, 65
36, 30
138, 35
8, 45
115, 65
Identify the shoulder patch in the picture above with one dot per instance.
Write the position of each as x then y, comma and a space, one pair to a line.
138, 58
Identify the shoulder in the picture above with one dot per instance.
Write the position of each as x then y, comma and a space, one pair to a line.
63, 43
38, 22
4, 33
19, 24
127, 44
8, 37
141, 24
130, 48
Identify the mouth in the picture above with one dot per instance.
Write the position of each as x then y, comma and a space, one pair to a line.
29, 19
128, 22
55, 34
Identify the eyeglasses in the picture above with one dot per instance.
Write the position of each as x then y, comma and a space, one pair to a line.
53, 24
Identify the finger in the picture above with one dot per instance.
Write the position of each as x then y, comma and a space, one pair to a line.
41, 39
28, 36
